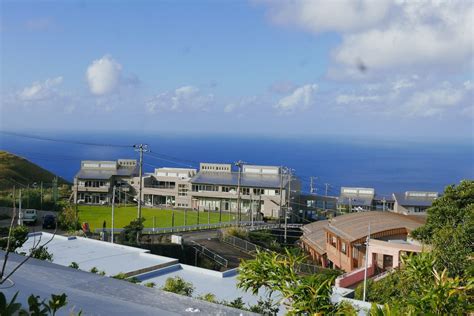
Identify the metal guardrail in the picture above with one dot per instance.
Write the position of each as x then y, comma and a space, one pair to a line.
210, 254
251, 248
240, 243
162, 230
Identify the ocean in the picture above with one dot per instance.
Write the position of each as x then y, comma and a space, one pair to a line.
387, 166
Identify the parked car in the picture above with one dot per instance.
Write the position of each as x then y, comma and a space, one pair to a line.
30, 216
49, 221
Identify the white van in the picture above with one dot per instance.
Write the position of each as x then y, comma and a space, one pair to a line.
30, 216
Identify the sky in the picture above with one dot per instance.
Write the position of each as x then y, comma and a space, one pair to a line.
350, 68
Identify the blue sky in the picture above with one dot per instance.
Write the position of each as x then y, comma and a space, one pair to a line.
350, 68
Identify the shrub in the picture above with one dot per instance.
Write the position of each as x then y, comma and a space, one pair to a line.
179, 286
74, 265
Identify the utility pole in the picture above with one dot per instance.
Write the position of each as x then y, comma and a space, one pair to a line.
172, 218
20, 213
113, 215
366, 263
251, 208
281, 196
383, 203
313, 189
239, 164
327, 187
185, 213
41, 195
141, 148
14, 202
288, 205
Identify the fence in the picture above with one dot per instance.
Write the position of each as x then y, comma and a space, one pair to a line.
251, 248
175, 229
210, 254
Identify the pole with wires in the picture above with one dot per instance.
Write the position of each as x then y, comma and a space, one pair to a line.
113, 216
239, 211
281, 195
366, 264
141, 148
288, 205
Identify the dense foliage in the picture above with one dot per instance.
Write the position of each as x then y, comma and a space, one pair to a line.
132, 232
449, 229
418, 288
179, 286
279, 273
36, 306
68, 219
41, 253
18, 236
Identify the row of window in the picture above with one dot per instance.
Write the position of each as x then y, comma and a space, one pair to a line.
95, 184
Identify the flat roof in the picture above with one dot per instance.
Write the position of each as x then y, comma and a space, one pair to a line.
100, 295
222, 284
405, 200
271, 181
105, 256
355, 226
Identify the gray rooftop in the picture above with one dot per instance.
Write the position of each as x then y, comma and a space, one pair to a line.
354, 201
405, 200
97, 174
100, 295
269, 181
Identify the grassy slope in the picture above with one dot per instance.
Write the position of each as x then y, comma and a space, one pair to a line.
14, 168
95, 216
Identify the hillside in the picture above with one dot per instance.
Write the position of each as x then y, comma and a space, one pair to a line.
17, 169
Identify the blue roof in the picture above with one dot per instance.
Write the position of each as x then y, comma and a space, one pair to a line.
270, 181
100, 295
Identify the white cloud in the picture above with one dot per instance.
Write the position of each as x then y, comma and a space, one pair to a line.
181, 99
39, 91
352, 98
103, 75
387, 35
323, 15
301, 98
406, 97
432, 102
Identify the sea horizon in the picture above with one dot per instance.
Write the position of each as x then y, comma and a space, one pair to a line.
386, 165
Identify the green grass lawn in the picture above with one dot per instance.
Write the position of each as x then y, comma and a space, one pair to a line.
96, 215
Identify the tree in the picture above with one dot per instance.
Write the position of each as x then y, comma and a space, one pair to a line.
42, 253
419, 289
14, 238
36, 306
132, 232
68, 219
179, 286
450, 229
279, 273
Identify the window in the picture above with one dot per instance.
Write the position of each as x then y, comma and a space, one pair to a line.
334, 241
182, 190
245, 191
258, 191
343, 248
228, 189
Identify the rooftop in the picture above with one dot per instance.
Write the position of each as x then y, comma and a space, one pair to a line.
100, 295
355, 226
271, 181
89, 253
415, 198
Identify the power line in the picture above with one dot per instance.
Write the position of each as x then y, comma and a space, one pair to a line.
42, 138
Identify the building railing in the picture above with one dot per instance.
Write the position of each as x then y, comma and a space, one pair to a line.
175, 229
210, 254
251, 248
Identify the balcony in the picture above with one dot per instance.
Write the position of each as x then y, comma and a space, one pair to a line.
82, 188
